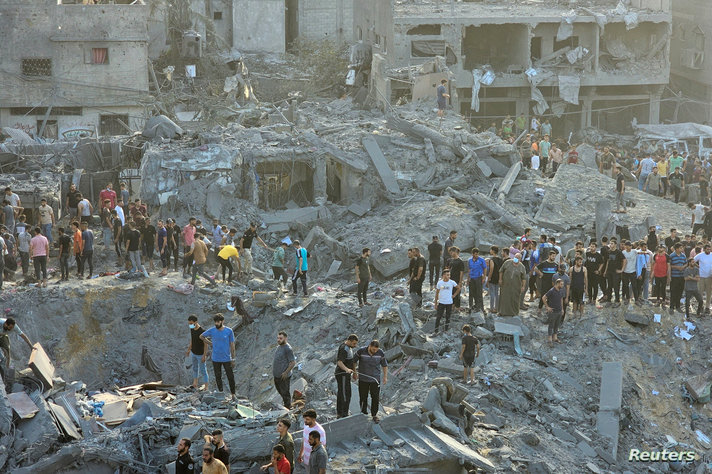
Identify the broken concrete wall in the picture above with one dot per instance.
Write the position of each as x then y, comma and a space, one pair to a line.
326, 19
259, 25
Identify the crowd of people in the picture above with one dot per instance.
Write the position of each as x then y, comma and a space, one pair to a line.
652, 271
139, 245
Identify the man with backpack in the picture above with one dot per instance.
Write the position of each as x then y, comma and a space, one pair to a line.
300, 272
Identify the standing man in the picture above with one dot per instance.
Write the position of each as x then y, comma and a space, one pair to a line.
677, 182
310, 425
653, 184
442, 97
630, 258
300, 271
12, 197
9, 215
645, 168
544, 147
345, 358
594, 270
512, 283
579, 283
363, 277
106, 226
318, 458
285, 439
279, 461
493, 266
692, 276
107, 194
278, 265
133, 249
10, 326
435, 251
545, 272
520, 123
443, 299
85, 209
449, 242
39, 251
72, 201
196, 351
677, 278
162, 247
553, 300
614, 269
282, 365
125, 196
46, 218
620, 190
417, 275
87, 249
184, 463
23, 245
148, 239
78, 244
704, 260
116, 232
246, 248
221, 451
211, 465
671, 240
65, 244
369, 362
457, 274
661, 275
222, 341
469, 352
477, 266
188, 239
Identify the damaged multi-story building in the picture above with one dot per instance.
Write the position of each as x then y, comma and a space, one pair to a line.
691, 72
71, 69
601, 64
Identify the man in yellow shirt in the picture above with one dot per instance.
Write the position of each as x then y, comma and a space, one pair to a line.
663, 172
223, 258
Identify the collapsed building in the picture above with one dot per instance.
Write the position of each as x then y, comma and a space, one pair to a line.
596, 65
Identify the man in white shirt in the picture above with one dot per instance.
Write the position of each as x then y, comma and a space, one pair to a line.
698, 216
535, 161
629, 271
445, 290
704, 260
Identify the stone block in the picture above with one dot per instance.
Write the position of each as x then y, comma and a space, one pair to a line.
354, 426
586, 449
310, 368
483, 333
563, 435
637, 319
611, 387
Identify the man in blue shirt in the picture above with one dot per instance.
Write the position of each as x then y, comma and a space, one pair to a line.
477, 267
678, 261
222, 342
300, 272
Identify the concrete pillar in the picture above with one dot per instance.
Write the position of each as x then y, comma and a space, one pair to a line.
319, 181
654, 113
586, 112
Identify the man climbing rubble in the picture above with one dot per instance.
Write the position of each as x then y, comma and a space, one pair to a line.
282, 365
246, 248
300, 271
369, 362
9, 325
221, 340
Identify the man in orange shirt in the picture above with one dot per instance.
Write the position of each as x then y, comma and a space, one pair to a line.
78, 246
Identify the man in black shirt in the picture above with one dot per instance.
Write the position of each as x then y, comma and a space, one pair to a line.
65, 249
468, 353
363, 277
116, 233
614, 270
344, 372
435, 251
174, 233
457, 274
671, 240
133, 245
554, 299
652, 239
417, 276
246, 248
546, 270
446, 249
196, 351
594, 268
148, 235
620, 190
184, 463
73, 198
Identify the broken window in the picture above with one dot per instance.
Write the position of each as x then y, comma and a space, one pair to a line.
114, 124
432, 48
37, 67
217, 16
100, 56
425, 30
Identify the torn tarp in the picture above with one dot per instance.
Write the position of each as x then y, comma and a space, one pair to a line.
679, 131
558, 108
484, 75
535, 78
541, 104
569, 88
576, 54
566, 27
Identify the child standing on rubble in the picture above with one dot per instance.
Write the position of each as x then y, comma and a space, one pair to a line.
468, 353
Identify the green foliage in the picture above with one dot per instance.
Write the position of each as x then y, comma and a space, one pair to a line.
325, 60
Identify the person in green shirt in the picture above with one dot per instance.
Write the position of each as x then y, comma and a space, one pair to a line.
278, 264
521, 123
676, 161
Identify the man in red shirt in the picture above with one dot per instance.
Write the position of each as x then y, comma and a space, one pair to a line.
279, 461
109, 194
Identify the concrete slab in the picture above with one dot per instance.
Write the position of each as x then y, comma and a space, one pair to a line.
498, 168
611, 392
402, 420
354, 426
360, 209
586, 449
484, 168
381, 164
608, 425
637, 319
190, 431
64, 421
333, 268
388, 264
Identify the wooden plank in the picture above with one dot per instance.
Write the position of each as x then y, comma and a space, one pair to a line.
64, 421
22, 404
381, 164
41, 365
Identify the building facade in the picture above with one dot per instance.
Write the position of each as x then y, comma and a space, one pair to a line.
72, 69
598, 66
691, 71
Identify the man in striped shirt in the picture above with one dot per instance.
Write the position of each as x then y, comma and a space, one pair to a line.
678, 260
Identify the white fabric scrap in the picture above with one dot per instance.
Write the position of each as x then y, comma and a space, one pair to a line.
476, 76
566, 27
